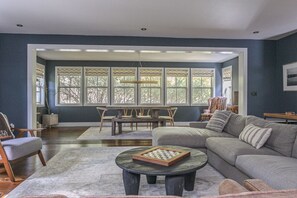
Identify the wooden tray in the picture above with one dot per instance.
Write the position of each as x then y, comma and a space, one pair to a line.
161, 155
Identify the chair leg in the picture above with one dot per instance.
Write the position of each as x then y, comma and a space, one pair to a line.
9, 171
101, 124
41, 158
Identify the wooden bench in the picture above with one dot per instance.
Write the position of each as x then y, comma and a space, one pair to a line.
155, 123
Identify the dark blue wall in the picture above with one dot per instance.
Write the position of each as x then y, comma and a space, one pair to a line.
286, 49
234, 63
13, 66
74, 114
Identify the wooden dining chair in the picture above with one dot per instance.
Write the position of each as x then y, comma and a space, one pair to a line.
13, 149
143, 113
101, 111
170, 117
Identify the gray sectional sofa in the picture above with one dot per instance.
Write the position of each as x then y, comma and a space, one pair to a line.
275, 162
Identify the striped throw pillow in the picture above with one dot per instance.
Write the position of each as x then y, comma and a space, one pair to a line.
254, 135
218, 121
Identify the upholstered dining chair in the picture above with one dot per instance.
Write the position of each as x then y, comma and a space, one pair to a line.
103, 117
170, 117
215, 103
13, 149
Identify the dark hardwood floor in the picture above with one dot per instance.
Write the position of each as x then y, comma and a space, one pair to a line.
55, 140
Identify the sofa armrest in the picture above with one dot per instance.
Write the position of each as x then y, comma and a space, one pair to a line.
256, 185
198, 124
229, 186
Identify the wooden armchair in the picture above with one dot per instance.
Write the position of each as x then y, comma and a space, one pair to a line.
13, 149
215, 103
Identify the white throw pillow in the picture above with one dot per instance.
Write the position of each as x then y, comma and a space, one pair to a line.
254, 135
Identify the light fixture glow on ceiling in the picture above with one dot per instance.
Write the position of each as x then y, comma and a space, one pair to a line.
150, 51
40, 49
124, 51
97, 50
176, 52
226, 52
69, 50
203, 52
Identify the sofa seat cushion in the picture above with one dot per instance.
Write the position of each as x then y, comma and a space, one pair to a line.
184, 136
229, 148
279, 172
16, 148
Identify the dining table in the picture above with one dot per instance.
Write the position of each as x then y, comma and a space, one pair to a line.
154, 109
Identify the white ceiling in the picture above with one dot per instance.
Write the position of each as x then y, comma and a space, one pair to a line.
188, 56
226, 19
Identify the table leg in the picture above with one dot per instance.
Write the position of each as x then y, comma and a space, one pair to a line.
174, 185
151, 179
131, 183
190, 181
155, 124
113, 127
120, 127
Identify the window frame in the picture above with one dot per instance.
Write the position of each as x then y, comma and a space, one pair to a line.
225, 68
57, 86
187, 88
213, 87
161, 86
42, 88
85, 87
112, 87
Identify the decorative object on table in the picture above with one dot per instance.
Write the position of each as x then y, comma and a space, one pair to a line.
290, 113
290, 77
215, 103
161, 155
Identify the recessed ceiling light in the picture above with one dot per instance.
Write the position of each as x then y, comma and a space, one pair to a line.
177, 52
256, 32
143, 29
150, 51
226, 52
97, 50
69, 50
19, 25
40, 49
202, 52
129, 51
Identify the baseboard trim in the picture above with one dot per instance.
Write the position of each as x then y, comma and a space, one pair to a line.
96, 124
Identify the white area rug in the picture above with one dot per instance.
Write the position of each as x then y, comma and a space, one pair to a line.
93, 133
92, 171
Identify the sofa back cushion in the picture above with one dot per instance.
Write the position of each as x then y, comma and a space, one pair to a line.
282, 136
235, 125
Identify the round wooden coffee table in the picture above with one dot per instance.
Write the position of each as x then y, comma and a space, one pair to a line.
178, 176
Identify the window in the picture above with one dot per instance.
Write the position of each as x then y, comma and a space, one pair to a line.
151, 93
227, 83
68, 81
40, 80
177, 86
96, 85
202, 85
123, 93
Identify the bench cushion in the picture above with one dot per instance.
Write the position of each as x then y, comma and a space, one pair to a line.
184, 136
279, 172
230, 148
16, 148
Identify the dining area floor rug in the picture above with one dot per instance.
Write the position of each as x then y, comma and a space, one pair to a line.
94, 133
91, 171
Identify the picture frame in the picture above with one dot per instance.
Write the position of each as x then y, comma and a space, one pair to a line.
290, 77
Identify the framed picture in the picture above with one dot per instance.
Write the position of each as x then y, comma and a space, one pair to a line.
290, 77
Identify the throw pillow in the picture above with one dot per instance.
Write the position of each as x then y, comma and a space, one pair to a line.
254, 135
218, 121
